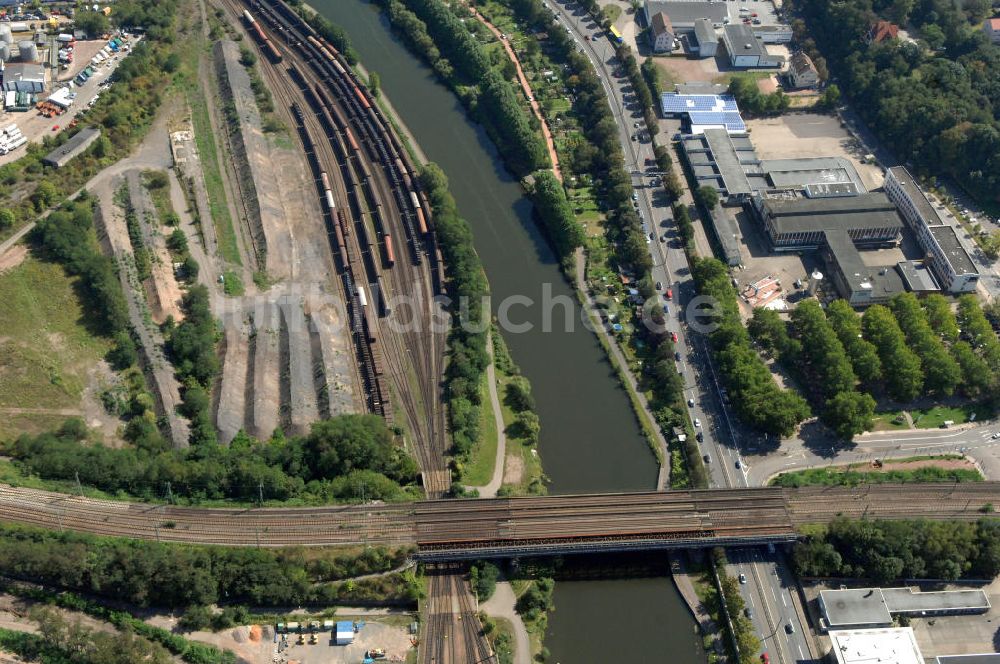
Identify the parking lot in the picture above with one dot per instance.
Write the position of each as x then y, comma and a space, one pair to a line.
811, 135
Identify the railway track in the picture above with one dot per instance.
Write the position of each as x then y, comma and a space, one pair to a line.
453, 633
378, 221
443, 528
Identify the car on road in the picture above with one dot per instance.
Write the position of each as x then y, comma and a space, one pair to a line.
677, 355
635, 196
690, 402
666, 309
996, 435
673, 337
748, 612
789, 628
659, 285
743, 578
738, 464
670, 296
697, 422
764, 658
707, 459
700, 436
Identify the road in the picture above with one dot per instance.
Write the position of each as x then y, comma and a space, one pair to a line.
720, 432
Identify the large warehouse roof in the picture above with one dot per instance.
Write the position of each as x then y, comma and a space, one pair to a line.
947, 237
820, 214
891, 645
684, 13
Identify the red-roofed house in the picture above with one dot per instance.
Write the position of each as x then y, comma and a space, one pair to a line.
992, 28
882, 31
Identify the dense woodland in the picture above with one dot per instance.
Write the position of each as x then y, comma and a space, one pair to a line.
347, 458
176, 576
907, 350
886, 551
935, 103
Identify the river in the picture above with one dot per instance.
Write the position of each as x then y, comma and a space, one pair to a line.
590, 440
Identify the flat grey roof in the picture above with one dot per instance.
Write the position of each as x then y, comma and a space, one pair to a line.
917, 277
812, 170
984, 658
727, 161
880, 281
728, 232
905, 600
820, 214
919, 198
684, 13
81, 138
704, 32
947, 237
825, 190
858, 606
739, 36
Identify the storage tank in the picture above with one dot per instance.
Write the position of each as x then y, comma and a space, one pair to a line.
28, 51
5, 34
4, 51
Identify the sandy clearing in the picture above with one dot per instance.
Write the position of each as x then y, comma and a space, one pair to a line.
13, 258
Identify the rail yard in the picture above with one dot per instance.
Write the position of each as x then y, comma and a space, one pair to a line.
377, 220
459, 529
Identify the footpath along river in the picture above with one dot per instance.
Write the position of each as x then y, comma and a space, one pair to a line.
590, 440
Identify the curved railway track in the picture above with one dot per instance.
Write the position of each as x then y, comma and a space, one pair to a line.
378, 222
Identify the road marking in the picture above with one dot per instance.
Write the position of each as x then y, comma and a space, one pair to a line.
783, 601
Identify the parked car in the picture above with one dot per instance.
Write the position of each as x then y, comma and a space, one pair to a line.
743, 578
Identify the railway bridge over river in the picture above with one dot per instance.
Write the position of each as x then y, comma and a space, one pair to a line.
511, 527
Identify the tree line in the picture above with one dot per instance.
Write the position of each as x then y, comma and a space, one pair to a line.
450, 45
756, 397
556, 214
890, 550
346, 458
467, 287
177, 576
906, 350
935, 103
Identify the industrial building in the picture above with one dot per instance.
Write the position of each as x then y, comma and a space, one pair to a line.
704, 42
72, 148
721, 160
859, 284
24, 77
951, 263
685, 13
746, 50
773, 34
703, 111
978, 658
875, 607
894, 645
795, 223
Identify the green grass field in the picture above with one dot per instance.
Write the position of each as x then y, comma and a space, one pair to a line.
864, 474
935, 417
479, 469
46, 350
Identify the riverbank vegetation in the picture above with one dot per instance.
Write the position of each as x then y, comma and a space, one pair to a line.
934, 103
889, 550
351, 456
857, 474
178, 576
467, 288
449, 43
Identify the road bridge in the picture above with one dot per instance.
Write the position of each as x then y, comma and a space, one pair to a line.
510, 527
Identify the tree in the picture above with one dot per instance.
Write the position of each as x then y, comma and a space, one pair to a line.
863, 354
768, 330
830, 97
707, 197
374, 83
7, 218
903, 372
93, 23
518, 394
849, 413
484, 577
525, 425
941, 373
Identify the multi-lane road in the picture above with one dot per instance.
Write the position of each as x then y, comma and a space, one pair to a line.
769, 590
